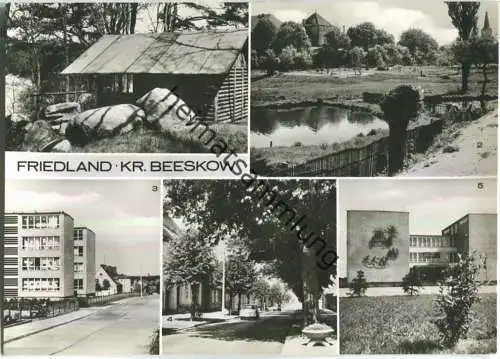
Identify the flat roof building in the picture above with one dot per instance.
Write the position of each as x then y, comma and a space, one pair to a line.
38, 259
84, 261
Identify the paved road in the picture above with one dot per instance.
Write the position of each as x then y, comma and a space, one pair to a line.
123, 328
265, 336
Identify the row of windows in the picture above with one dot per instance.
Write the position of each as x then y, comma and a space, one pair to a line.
42, 221
43, 263
41, 243
78, 284
78, 267
432, 242
78, 235
433, 257
40, 285
78, 251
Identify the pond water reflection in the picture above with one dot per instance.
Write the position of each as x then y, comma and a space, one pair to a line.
309, 125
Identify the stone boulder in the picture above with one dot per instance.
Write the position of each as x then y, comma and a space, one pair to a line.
40, 137
165, 109
87, 101
103, 122
58, 110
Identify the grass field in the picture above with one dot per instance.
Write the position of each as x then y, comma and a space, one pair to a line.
290, 87
402, 325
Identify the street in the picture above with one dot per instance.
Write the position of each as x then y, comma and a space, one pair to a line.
265, 336
122, 328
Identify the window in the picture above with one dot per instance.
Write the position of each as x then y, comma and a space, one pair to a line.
78, 267
41, 263
78, 284
41, 243
78, 235
40, 221
40, 284
78, 251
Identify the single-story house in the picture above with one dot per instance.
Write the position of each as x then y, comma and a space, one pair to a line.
208, 70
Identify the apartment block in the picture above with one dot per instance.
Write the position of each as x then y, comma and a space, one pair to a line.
432, 249
84, 261
38, 259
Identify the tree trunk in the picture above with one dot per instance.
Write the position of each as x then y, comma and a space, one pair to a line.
66, 49
239, 302
483, 88
194, 299
465, 76
133, 17
231, 296
397, 143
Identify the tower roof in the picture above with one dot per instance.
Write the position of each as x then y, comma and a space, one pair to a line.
317, 19
486, 21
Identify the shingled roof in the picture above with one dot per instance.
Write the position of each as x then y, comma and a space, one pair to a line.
317, 19
206, 52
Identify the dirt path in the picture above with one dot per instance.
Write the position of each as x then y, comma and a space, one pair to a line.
476, 156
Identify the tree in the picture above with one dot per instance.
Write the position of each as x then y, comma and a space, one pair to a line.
189, 260
400, 105
261, 291
303, 256
358, 286
106, 284
464, 17
457, 293
412, 282
416, 39
278, 294
98, 287
291, 34
336, 46
484, 51
366, 35
356, 59
240, 277
270, 61
263, 35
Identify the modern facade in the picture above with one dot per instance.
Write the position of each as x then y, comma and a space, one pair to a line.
38, 259
84, 261
379, 244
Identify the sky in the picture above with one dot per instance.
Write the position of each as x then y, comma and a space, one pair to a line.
394, 16
125, 215
432, 203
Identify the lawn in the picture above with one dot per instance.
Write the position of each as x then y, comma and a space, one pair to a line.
182, 139
402, 325
290, 87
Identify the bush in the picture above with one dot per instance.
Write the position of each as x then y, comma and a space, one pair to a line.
457, 294
358, 285
287, 57
412, 282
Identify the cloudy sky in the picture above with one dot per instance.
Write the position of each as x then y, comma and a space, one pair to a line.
433, 204
125, 215
394, 16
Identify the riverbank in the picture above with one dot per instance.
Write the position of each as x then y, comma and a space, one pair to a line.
301, 86
274, 157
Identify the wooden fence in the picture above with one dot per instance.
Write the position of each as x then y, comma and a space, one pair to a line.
368, 161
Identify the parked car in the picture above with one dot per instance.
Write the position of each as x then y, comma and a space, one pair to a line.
249, 312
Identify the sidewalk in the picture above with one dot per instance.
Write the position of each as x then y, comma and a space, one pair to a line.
37, 326
183, 322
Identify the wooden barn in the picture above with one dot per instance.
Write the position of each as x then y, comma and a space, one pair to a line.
208, 70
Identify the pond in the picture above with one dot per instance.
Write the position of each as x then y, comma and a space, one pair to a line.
313, 125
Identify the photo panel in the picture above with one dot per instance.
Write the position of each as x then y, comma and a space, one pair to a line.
374, 88
82, 267
418, 266
249, 267
168, 77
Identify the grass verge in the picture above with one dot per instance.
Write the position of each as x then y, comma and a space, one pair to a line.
402, 325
